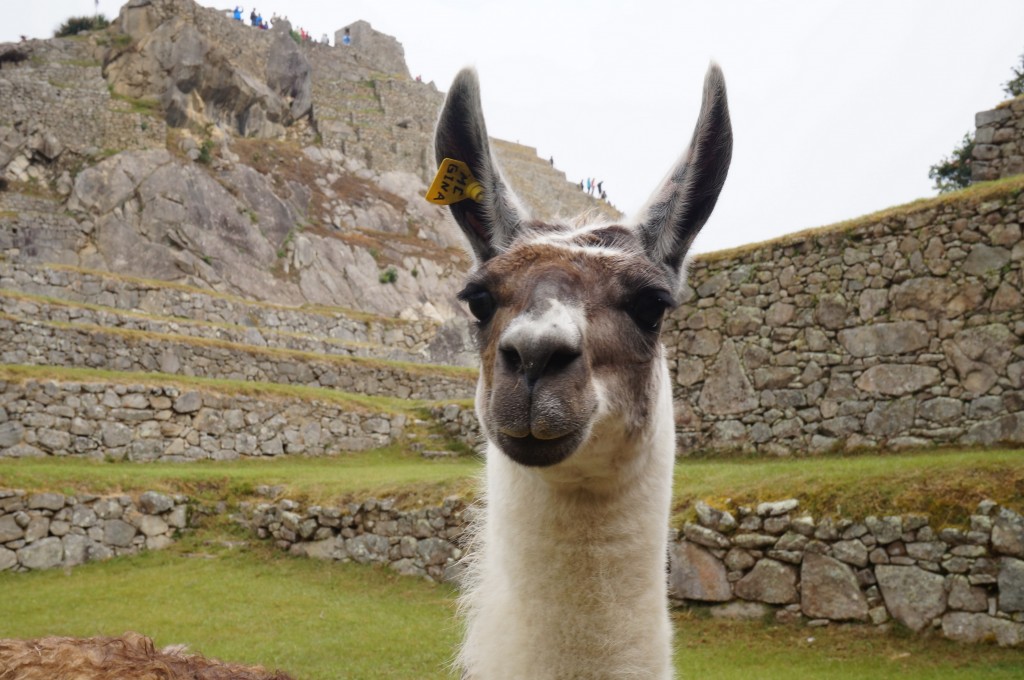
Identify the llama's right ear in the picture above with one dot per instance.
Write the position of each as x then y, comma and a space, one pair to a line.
677, 211
490, 223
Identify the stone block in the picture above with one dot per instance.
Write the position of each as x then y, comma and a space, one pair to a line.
829, 590
912, 595
770, 581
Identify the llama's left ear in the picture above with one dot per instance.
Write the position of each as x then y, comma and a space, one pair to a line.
677, 211
490, 223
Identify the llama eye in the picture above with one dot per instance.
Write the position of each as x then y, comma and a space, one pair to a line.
481, 303
648, 307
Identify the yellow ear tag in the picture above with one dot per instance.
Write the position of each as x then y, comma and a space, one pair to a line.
453, 183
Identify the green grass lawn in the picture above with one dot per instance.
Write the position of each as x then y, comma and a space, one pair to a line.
320, 620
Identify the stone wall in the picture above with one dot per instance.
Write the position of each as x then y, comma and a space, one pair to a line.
47, 530
172, 424
165, 299
763, 560
999, 142
901, 330
44, 309
49, 344
425, 542
968, 582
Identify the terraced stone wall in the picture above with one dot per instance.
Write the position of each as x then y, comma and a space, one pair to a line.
768, 560
166, 423
968, 582
46, 344
170, 301
47, 530
903, 330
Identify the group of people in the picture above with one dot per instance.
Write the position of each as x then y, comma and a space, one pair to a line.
593, 187
256, 20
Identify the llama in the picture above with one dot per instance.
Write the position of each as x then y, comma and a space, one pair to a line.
567, 574
114, 658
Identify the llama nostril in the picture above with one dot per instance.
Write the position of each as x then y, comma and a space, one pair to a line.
510, 356
560, 360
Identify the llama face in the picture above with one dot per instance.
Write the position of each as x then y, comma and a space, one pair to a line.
568, 318
567, 324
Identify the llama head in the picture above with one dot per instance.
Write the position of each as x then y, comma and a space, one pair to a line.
568, 317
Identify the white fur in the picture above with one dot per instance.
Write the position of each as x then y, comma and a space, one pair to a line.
569, 571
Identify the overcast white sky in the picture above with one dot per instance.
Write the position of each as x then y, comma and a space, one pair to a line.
838, 107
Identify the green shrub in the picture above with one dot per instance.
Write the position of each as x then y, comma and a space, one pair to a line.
205, 149
954, 171
75, 25
1015, 85
389, 275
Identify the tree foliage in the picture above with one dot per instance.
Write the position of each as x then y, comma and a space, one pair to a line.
75, 25
1015, 85
954, 171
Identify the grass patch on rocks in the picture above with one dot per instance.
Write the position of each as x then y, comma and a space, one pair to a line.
947, 485
382, 473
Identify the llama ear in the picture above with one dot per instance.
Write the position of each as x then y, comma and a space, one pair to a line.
491, 221
677, 211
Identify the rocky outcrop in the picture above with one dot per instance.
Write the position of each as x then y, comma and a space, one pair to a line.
206, 70
181, 145
49, 530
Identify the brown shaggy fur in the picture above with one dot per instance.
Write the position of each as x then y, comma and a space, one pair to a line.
106, 658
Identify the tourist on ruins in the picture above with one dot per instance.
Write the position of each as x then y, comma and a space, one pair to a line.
347, 38
252, 17
237, 14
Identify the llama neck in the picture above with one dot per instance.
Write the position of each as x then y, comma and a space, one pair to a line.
571, 583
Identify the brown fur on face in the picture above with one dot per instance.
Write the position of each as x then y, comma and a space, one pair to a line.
600, 273
131, 656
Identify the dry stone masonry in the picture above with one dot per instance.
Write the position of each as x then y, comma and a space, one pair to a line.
999, 142
968, 582
904, 330
47, 530
770, 559
425, 542
51, 344
145, 423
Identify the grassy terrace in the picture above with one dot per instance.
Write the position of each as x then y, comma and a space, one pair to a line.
945, 484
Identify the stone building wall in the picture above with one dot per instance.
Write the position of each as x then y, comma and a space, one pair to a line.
167, 423
47, 530
902, 330
999, 142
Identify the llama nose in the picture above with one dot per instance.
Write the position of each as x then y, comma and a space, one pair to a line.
537, 355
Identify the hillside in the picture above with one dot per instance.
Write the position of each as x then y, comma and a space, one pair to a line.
182, 146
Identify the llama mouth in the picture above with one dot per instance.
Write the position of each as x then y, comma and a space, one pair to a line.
533, 452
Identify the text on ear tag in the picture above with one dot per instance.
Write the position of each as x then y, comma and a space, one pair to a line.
453, 183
